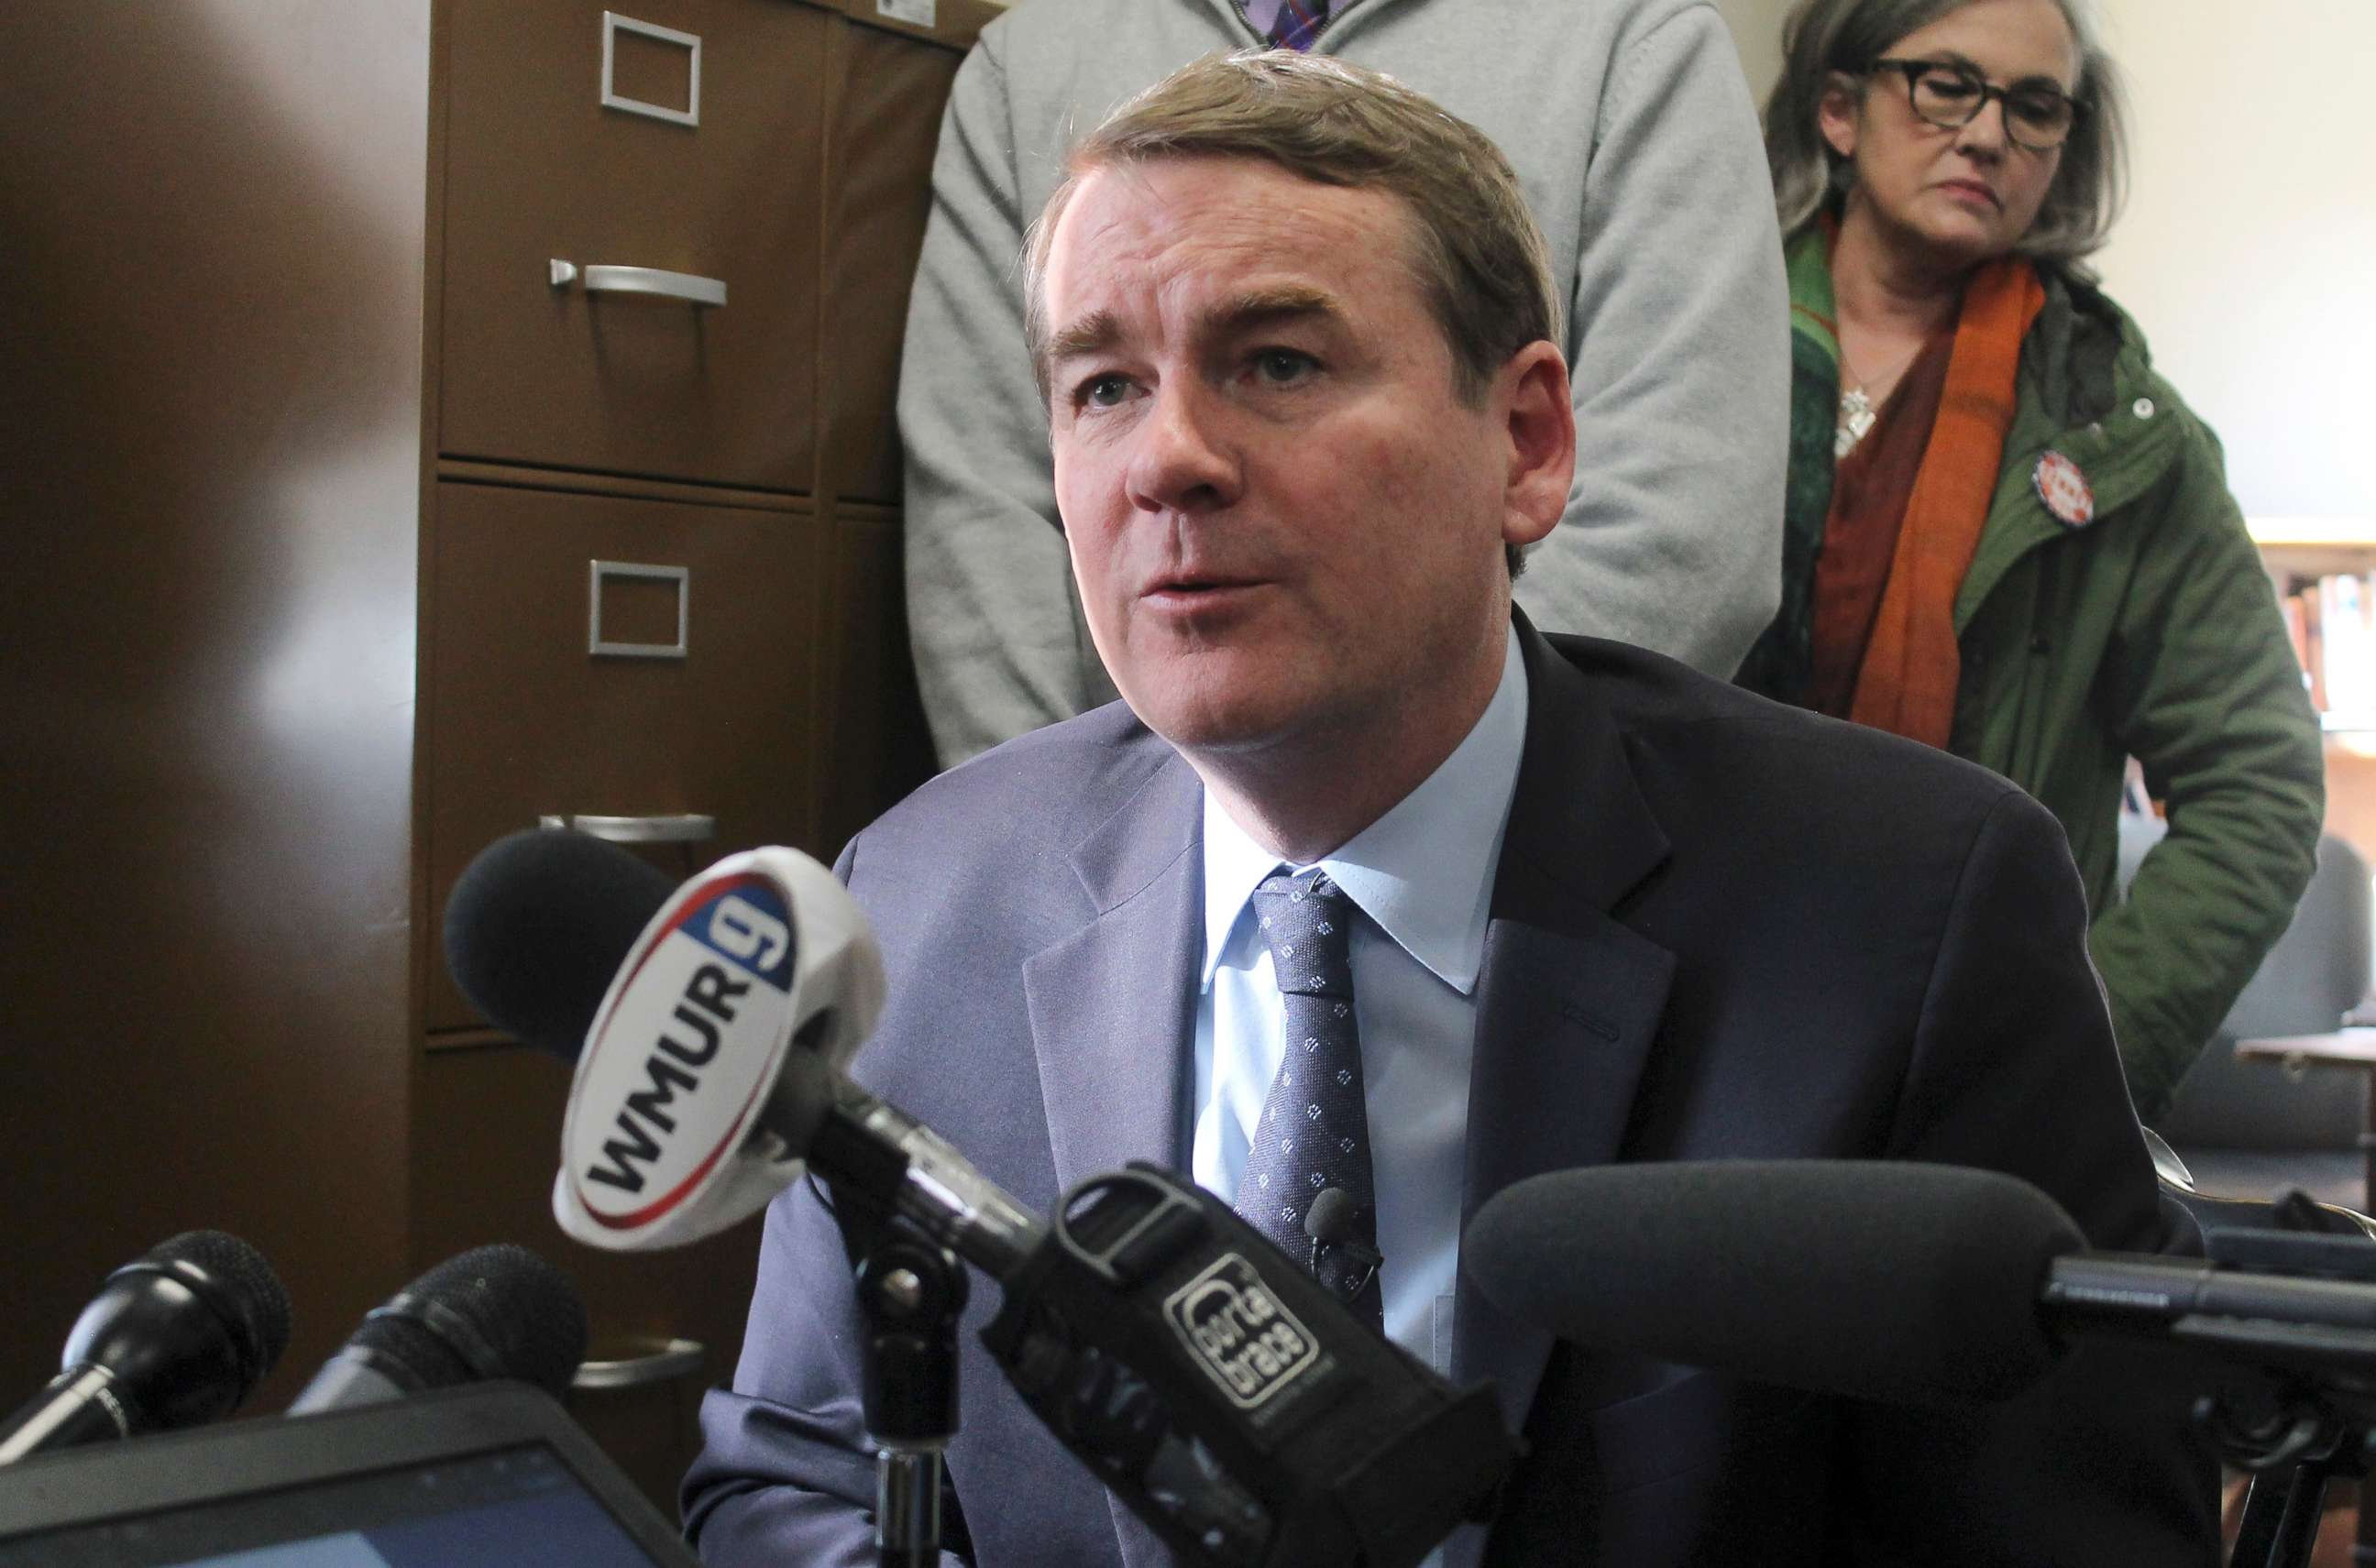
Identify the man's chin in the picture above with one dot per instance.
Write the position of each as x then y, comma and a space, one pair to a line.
1222, 722
1215, 731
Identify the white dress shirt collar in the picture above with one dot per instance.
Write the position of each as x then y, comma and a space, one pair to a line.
1424, 870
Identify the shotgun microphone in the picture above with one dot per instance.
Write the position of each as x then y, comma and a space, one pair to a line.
1897, 1282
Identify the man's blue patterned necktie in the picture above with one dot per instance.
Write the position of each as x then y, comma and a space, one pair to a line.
1314, 1131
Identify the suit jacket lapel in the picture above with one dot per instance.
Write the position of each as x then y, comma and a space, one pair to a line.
1569, 1000
1113, 1011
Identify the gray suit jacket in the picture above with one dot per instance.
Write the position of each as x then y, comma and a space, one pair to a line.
1720, 927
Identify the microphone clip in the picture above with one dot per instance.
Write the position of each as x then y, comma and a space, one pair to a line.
1330, 1224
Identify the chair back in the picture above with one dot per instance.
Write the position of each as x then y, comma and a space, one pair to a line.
2318, 972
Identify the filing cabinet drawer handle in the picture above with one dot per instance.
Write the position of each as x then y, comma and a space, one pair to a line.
613, 24
687, 829
599, 572
690, 286
678, 1358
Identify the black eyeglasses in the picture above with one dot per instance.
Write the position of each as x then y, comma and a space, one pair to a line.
2036, 116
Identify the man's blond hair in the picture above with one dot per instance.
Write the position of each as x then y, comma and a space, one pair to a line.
1479, 258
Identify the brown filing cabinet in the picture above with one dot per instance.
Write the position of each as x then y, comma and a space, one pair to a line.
646, 667
423, 420
660, 592
592, 373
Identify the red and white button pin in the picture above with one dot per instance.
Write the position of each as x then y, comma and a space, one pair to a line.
2064, 490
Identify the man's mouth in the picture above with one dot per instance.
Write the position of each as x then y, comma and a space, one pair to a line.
1197, 587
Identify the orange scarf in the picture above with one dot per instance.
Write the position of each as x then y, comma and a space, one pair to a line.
1911, 667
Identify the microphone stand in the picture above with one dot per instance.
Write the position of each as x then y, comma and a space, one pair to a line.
911, 1294
2296, 1405
2285, 1503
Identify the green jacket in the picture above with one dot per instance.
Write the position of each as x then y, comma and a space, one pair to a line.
2150, 632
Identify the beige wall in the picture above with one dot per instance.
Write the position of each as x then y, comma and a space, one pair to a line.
2248, 252
1757, 31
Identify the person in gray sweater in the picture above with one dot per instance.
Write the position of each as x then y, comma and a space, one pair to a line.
1635, 143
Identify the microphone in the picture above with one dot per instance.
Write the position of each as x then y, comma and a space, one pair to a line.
176, 1337
497, 1311
1329, 1223
539, 924
1216, 1387
681, 1008
1895, 1282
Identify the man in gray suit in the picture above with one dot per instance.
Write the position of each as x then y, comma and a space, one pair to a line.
1575, 903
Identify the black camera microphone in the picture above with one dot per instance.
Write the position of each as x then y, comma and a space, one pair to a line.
496, 1311
1897, 1282
176, 1337
1205, 1377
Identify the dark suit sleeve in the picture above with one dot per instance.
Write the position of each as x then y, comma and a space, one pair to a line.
2014, 1068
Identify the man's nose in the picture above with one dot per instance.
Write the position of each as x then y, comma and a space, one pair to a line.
1183, 460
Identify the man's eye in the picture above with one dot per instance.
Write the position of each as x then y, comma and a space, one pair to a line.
1283, 367
1103, 391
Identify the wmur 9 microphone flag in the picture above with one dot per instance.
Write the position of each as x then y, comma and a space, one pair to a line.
665, 1140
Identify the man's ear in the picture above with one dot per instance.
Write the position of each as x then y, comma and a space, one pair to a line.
1541, 424
1839, 114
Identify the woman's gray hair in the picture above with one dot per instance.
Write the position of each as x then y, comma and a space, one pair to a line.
1821, 37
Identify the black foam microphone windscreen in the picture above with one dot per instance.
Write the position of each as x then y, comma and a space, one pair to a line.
494, 1312
1905, 1283
539, 925
1331, 1216
238, 1285
176, 1337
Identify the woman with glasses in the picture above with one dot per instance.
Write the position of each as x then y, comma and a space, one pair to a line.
2005, 536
